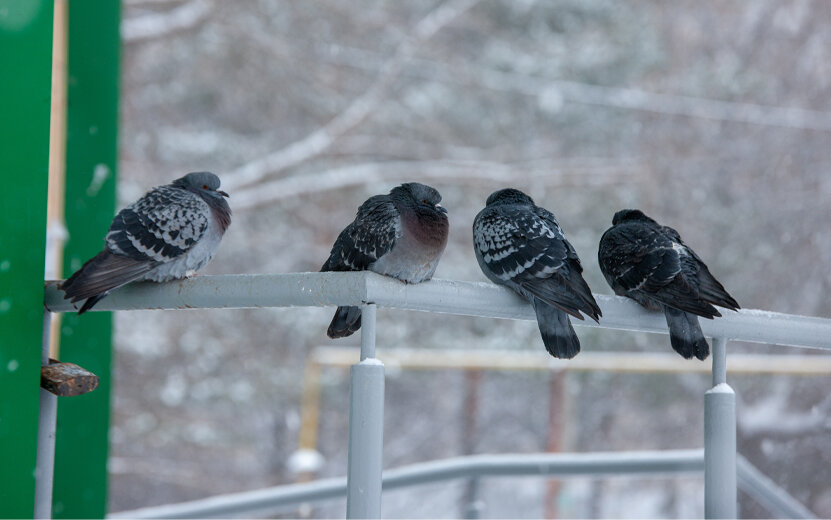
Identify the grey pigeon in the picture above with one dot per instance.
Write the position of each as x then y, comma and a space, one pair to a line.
402, 235
169, 233
650, 263
521, 246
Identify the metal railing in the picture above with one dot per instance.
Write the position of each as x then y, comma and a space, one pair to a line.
272, 500
465, 298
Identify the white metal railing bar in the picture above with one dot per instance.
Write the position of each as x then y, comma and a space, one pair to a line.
768, 494
444, 296
530, 464
47, 425
268, 500
245, 503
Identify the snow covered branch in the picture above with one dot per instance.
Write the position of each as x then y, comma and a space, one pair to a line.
160, 24
458, 171
321, 139
553, 93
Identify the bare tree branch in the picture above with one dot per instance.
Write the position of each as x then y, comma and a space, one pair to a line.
141, 3
321, 139
156, 25
616, 97
458, 171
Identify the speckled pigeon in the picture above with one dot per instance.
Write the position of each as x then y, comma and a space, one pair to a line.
521, 246
169, 233
650, 263
402, 235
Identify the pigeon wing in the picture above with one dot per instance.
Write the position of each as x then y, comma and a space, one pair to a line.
696, 273
565, 286
638, 258
649, 260
521, 249
515, 245
161, 226
370, 236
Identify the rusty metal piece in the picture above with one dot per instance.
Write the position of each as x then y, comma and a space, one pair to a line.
67, 379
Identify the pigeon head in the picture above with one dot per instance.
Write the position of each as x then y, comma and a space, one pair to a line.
205, 184
509, 196
420, 195
630, 215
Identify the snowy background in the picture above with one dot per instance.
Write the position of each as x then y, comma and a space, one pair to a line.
714, 118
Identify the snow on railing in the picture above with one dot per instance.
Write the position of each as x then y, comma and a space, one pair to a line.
444, 296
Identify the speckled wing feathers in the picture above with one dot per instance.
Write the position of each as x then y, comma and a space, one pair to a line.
370, 236
517, 246
160, 226
526, 247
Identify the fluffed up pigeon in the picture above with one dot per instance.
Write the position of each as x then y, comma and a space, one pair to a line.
402, 235
650, 263
169, 233
521, 246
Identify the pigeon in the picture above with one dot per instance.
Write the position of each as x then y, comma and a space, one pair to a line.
402, 235
168, 234
521, 246
650, 263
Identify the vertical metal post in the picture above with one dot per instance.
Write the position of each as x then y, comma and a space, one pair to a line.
720, 440
366, 426
474, 506
45, 465
471, 505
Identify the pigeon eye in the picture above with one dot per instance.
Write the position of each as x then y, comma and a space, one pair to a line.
425, 201
205, 187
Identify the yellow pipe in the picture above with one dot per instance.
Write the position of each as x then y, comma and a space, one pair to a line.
310, 406
55, 227
632, 362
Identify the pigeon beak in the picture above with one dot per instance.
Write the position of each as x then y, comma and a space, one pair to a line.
223, 193
441, 208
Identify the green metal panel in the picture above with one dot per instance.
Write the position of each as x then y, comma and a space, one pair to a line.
92, 123
26, 62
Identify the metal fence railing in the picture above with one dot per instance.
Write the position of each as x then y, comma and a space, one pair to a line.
268, 501
364, 478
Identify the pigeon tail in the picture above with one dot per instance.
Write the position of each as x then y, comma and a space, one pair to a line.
557, 333
90, 302
100, 275
346, 321
685, 334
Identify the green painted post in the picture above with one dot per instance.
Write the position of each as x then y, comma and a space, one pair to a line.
92, 124
26, 59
